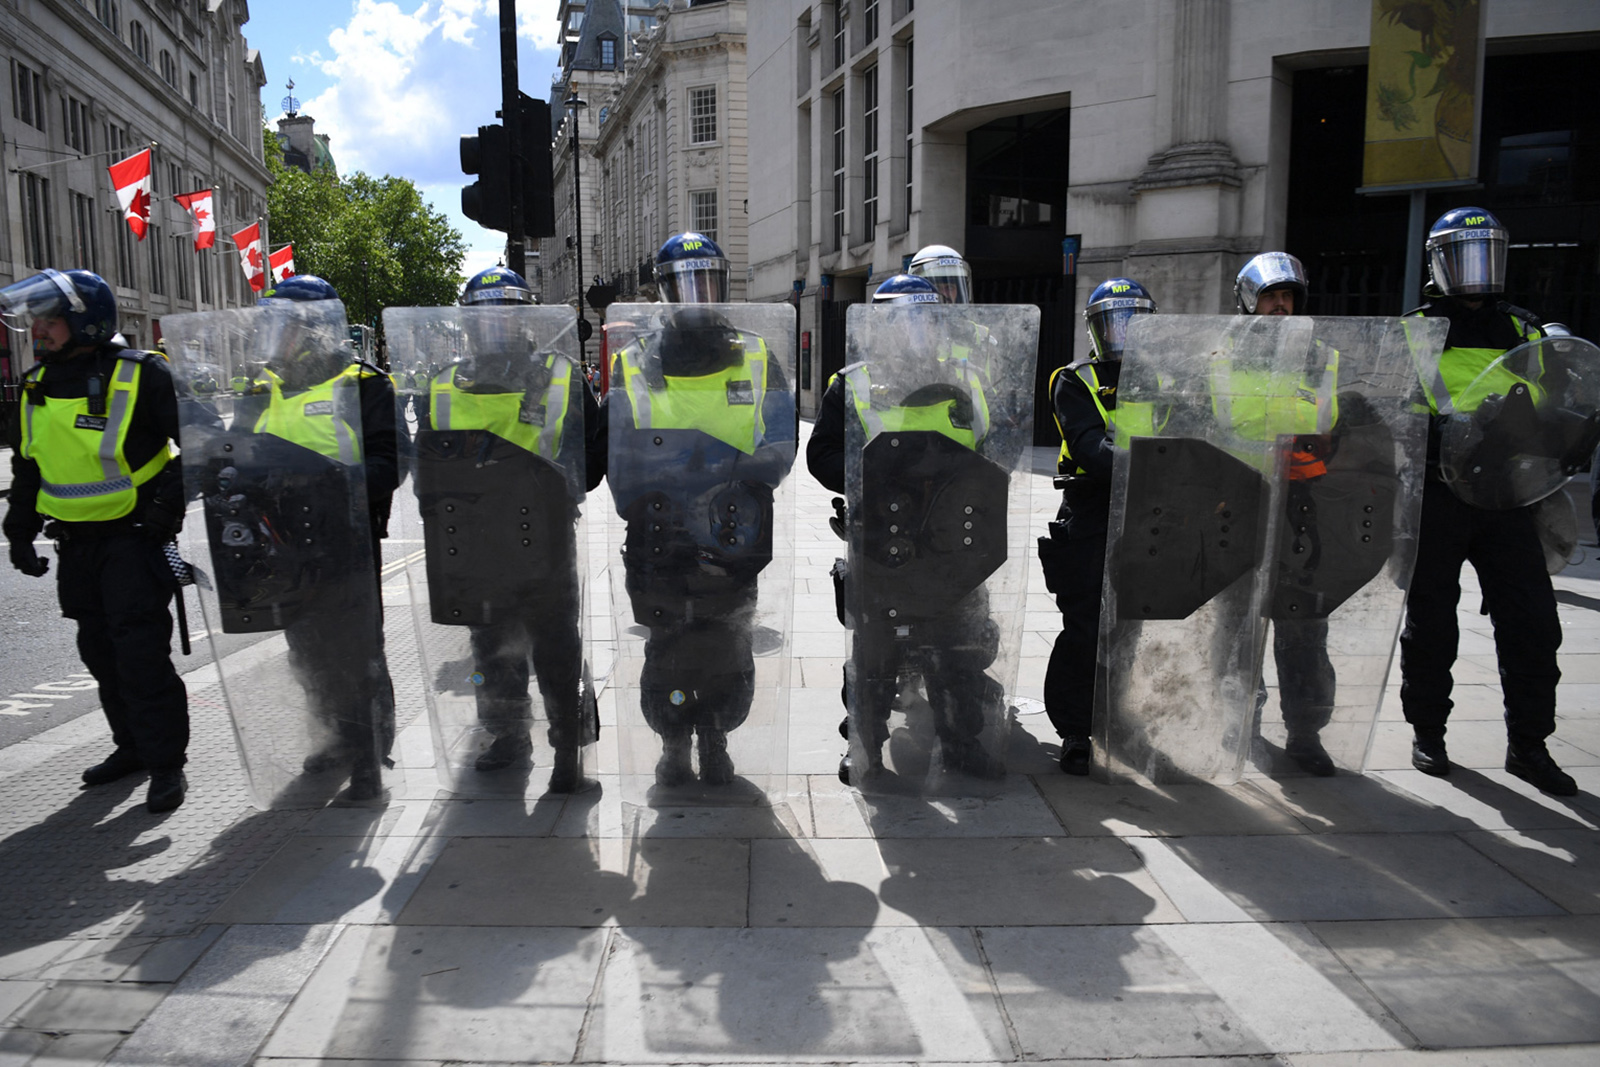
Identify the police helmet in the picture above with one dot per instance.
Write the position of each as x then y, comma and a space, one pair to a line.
944, 267
1111, 306
906, 289
691, 269
80, 297
1270, 270
304, 341
300, 288
1467, 253
497, 285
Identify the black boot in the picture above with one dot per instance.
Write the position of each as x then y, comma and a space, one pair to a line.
167, 786
1532, 763
1077, 754
1428, 754
366, 781
673, 768
716, 767
119, 764
1307, 751
566, 775
515, 750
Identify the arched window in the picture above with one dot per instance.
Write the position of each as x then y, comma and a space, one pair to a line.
169, 68
140, 41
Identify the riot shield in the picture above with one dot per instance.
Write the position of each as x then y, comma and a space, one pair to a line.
276, 461
1205, 407
702, 440
1524, 426
1347, 536
938, 420
497, 592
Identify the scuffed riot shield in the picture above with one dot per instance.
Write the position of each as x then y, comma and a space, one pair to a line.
497, 593
1347, 538
938, 420
275, 459
702, 440
1556, 519
1524, 426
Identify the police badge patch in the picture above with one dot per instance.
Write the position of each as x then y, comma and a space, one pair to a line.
319, 407
741, 392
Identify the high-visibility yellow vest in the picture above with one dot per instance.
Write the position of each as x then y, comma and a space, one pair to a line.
312, 419
536, 429
1452, 387
935, 417
1127, 420
83, 469
725, 404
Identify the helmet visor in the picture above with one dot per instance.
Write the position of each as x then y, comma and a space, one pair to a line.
694, 281
304, 342
950, 275
495, 329
47, 295
1468, 262
1108, 324
507, 293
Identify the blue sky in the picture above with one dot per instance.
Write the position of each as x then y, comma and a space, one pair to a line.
395, 84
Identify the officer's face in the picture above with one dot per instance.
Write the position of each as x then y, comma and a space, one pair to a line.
51, 335
1275, 302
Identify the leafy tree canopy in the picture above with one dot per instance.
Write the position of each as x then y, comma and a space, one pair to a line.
374, 239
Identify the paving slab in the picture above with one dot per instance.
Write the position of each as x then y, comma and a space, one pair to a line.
314, 879
1087, 807
445, 993
1359, 876
1458, 983
81, 1006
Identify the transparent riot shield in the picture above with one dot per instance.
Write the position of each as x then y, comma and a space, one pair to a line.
1347, 534
938, 420
287, 546
1524, 426
701, 416
1206, 408
497, 592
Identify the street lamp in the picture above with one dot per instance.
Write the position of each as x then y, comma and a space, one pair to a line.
576, 103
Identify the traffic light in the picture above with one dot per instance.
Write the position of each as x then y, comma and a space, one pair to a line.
538, 203
487, 201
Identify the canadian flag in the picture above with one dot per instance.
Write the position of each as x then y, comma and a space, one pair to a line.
249, 242
282, 262
131, 178
205, 224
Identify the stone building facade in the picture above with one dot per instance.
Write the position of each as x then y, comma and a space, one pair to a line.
92, 81
1174, 138
662, 142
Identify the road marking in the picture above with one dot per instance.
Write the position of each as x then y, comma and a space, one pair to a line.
46, 696
391, 569
64, 689
19, 707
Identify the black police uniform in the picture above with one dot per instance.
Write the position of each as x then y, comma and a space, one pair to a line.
113, 578
1503, 548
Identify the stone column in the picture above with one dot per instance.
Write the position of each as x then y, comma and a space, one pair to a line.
1198, 153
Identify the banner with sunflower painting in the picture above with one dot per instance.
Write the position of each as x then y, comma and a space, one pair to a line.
1423, 78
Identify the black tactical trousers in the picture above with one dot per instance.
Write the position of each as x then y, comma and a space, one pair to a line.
336, 653
1503, 548
118, 588
1306, 682
547, 637
1074, 572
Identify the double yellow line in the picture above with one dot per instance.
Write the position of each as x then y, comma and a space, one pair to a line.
391, 569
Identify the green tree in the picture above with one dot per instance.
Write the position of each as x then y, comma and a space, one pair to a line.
374, 239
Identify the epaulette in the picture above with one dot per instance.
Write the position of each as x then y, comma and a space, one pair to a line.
373, 368
1528, 318
139, 355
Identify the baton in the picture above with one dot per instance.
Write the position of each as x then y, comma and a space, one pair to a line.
185, 576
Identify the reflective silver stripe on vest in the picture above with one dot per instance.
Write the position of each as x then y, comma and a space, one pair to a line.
121, 401
638, 388
554, 394
861, 386
441, 403
980, 403
1222, 392
82, 490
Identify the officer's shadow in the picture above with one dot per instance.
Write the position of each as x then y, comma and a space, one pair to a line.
755, 979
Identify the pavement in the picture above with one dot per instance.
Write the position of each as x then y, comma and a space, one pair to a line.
1384, 919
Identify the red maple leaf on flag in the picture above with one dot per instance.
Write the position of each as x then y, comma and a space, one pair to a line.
254, 256
201, 214
140, 208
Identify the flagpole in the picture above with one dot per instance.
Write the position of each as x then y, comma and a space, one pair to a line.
266, 253
60, 162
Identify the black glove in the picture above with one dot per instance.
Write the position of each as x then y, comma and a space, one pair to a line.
161, 520
26, 560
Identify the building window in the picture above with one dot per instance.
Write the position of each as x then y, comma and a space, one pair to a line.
37, 236
109, 14
608, 52
169, 68
85, 249
869, 21
703, 212
194, 90
841, 16
838, 169
75, 123
703, 115
869, 149
117, 148
158, 261
139, 40
205, 277
27, 95
911, 124
181, 272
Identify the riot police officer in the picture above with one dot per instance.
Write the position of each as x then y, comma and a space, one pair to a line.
943, 268
701, 431
1467, 261
1083, 396
93, 468
338, 658
527, 401
952, 648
